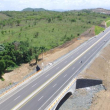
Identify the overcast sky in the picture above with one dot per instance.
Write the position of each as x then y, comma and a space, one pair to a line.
53, 4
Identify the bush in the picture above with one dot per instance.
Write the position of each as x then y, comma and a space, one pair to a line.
73, 20
2, 67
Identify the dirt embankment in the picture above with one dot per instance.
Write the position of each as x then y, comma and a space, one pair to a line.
100, 69
50, 56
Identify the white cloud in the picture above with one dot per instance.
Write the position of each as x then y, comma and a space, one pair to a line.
53, 4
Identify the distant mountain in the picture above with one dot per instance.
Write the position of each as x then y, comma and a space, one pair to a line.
101, 10
33, 9
98, 10
42, 9
59, 10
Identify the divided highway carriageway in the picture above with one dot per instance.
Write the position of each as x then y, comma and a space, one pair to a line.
39, 92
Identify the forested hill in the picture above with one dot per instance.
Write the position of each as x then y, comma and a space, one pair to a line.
33, 9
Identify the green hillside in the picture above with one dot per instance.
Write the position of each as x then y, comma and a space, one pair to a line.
24, 35
33, 9
52, 28
3, 16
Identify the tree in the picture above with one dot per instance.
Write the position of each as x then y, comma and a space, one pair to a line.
2, 67
36, 35
2, 32
36, 57
8, 61
2, 48
42, 50
18, 22
49, 20
73, 20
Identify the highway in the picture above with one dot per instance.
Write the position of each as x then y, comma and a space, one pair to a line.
40, 92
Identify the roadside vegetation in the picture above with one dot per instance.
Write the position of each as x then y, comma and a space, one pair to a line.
108, 23
24, 35
107, 19
98, 29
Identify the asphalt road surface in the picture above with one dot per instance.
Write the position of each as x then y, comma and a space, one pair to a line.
67, 69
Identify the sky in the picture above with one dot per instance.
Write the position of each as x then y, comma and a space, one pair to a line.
18, 5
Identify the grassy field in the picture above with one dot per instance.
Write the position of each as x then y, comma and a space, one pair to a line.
108, 24
108, 18
3, 16
46, 28
98, 29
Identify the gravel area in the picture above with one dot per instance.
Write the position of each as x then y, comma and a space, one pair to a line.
81, 99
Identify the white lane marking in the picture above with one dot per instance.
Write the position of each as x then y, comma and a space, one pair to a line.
40, 98
47, 75
57, 68
67, 81
34, 85
17, 98
54, 85
65, 61
73, 68
65, 75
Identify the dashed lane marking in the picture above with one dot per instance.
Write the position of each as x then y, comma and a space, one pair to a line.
65, 75
34, 85
47, 75
40, 98
57, 68
54, 85
17, 98
73, 68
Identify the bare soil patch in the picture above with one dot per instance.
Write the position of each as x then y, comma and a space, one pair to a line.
100, 69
